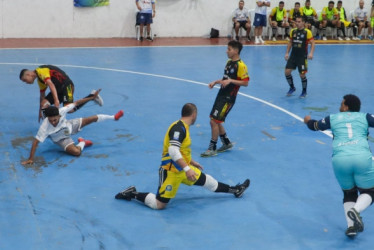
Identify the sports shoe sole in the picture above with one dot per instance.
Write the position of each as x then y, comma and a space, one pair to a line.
118, 115
208, 155
123, 194
351, 232
225, 149
245, 184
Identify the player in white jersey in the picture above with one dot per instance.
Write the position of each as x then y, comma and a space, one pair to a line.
147, 11
352, 159
60, 130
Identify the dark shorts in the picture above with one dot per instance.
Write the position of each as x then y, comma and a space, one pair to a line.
144, 18
242, 24
310, 19
279, 23
367, 23
221, 109
65, 94
260, 20
330, 24
300, 62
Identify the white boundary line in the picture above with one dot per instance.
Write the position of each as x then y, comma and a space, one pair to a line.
328, 133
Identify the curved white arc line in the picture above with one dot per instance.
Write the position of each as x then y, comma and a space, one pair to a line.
328, 133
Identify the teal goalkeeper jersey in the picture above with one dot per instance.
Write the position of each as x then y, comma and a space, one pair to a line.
350, 130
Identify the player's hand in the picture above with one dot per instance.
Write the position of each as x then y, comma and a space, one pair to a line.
211, 85
139, 8
196, 164
310, 56
27, 162
57, 104
224, 83
286, 56
307, 119
191, 175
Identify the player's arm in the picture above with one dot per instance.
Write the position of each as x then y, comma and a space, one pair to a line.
53, 90
226, 82
177, 135
317, 125
30, 160
196, 164
138, 5
312, 47
289, 45
370, 119
153, 10
41, 98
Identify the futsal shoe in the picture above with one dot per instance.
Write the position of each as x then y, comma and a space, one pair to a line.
149, 38
209, 153
87, 143
260, 39
357, 220
256, 40
225, 147
241, 188
126, 194
290, 91
118, 115
351, 232
98, 98
303, 94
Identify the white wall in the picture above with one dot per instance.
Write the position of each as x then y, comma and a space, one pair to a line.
175, 18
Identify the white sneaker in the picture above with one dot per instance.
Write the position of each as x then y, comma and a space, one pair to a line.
340, 38
257, 41
347, 38
274, 39
324, 38
287, 38
261, 41
355, 38
98, 98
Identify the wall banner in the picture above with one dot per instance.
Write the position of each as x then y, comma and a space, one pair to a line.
90, 3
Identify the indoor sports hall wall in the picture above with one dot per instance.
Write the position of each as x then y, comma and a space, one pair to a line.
174, 18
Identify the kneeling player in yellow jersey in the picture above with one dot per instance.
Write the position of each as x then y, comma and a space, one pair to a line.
177, 166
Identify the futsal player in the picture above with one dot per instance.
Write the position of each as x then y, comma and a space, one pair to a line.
352, 159
235, 76
59, 130
60, 86
177, 166
300, 38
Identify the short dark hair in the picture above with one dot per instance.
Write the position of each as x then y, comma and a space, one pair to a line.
340, 1
51, 111
22, 73
331, 2
297, 3
236, 45
307, 1
353, 103
281, 2
188, 109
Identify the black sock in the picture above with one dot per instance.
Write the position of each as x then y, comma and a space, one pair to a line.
139, 196
212, 145
290, 81
224, 139
304, 82
223, 188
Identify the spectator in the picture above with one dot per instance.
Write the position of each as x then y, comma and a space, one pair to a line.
260, 19
372, 18
295, 12
147, 11
344, 23
361, 19
278, 18
310, 15
329, 18
241, 19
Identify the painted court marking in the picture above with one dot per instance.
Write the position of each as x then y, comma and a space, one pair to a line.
328, 133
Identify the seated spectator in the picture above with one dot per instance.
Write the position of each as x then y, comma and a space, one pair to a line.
295, 12
361, 20
278, 18
310, 15
344, 23
372, 18
147, 11
241, 19
329, 18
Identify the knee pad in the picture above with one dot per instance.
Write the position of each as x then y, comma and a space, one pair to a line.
210, 183
150, 201
369, 191
350, 195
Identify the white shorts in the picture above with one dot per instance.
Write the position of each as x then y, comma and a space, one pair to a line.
75, 128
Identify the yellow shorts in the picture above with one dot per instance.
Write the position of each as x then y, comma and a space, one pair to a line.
170, 185
346, 23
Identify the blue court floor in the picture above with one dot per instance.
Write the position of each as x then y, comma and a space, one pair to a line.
65, 202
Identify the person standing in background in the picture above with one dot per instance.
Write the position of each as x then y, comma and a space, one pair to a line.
147, 11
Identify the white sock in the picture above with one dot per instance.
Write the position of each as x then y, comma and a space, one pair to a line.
81, 145
150, 201
101, 118
347, 207
363, 202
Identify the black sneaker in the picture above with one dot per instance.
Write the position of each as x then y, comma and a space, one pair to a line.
126, 194
141, 39
351, 232
237, 38
149, 38
241, 188
357, 220
290, 91
248, 38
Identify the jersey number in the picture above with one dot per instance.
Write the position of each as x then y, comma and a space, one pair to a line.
349, 127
